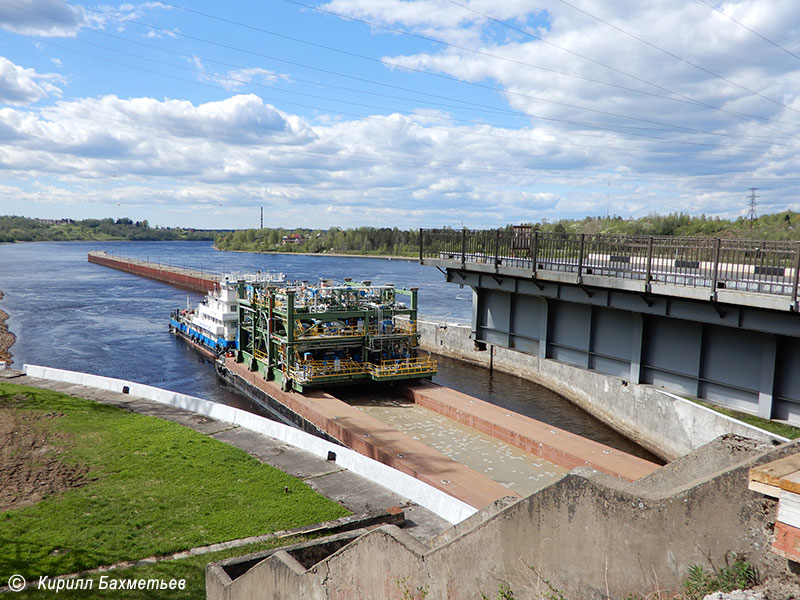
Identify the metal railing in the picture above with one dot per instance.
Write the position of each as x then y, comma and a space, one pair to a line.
326, 330
402, 366
311, 370
757, 266
308, 371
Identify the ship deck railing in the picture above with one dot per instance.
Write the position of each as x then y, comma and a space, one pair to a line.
316, 370
327, 330
309, 370
403, 367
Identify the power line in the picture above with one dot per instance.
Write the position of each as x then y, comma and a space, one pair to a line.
675, 56
751, 30
460, 132
620, 71
614, 129
688, 99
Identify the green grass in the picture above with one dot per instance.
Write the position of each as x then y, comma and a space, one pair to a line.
155, 488
775, 427
191, 569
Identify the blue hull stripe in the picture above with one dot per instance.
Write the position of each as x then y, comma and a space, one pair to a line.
193, 334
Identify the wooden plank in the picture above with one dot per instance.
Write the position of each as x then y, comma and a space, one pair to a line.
791, 483
772, 472
762, 488
789, 508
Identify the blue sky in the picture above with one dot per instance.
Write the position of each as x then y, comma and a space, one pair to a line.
400, 113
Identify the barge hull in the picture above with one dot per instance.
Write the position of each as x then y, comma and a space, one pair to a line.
188, 279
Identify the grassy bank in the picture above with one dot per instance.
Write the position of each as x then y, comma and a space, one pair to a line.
131, 486
776, 427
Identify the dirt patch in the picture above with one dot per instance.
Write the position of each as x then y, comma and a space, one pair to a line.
30, 467
7, 338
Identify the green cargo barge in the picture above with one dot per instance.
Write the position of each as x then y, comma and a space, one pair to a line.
305, 336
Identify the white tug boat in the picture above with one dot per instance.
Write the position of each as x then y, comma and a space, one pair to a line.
212, 325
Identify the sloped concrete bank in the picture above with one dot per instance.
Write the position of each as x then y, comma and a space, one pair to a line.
667, 425
437, 501
589, 535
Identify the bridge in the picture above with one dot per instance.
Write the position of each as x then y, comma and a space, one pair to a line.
711, 318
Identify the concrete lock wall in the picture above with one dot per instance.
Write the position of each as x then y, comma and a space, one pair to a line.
666, 424
589, 535
438, 502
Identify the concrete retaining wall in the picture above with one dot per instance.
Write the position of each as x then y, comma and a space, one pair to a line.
666, 424
589, 535
438, 502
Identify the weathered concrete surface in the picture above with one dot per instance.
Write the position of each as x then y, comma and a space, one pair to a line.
549, 442
665, 424
590, 535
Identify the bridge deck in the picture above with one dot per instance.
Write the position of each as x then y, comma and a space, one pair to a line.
748, 272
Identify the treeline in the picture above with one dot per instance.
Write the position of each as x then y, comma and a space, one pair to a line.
363, 240
23, 229
398, 242
778, 226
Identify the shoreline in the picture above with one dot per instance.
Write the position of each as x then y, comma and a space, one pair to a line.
332, 254
7, 338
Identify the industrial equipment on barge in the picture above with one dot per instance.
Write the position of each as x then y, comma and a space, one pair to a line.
304, 335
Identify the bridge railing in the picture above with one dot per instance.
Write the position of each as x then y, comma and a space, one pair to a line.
758, 266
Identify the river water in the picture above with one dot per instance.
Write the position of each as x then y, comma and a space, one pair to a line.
70, 314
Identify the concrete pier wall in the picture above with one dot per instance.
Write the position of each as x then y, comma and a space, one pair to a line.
185, 278
438, 502
666, 424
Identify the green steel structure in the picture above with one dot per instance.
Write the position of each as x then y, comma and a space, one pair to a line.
311, 335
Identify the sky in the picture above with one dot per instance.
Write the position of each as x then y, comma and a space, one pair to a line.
406, 113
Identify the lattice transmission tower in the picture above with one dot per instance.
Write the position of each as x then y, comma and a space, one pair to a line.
751, 211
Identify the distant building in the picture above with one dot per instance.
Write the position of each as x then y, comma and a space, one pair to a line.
55, 221
294, 238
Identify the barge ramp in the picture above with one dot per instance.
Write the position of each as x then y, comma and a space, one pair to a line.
190, 279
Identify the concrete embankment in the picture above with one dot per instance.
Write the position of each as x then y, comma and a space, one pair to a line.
190, 279
438, 502
665, 424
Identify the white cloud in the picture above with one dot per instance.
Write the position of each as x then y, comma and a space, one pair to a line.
19, 85
105, 16
590, 139
45, 18
235, 79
